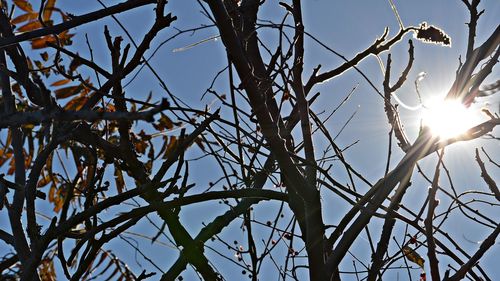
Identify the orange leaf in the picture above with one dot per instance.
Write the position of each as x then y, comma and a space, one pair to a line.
65, 37
24, 17
45, 56
4, 156
67, 91
75, 63
60, 82
164, 123
172, 144
76, 103
44, 181
23, 5
59, 198
47, 12
141, 146
41, 42
17, 89
30, 26
120, 182
52, 192
46, 270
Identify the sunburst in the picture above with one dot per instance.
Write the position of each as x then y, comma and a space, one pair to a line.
449, 118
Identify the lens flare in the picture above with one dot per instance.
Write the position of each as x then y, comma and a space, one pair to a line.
448, 118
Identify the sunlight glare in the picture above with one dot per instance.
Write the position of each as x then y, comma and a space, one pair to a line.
448, 118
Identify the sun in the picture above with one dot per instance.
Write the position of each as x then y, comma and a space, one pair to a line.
448, 118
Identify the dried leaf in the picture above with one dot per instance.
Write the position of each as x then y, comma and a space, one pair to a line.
140, 146
75, 63
17, 89
56, 196
23, 5
4, 156
76, 103
68, 91
431, 34
45, 56
65, 37
44, 181
40, 43
413, 256
164, 123
46, 270
52, 193
60, 82
48, 9
24, 17
59, 199
286, 95
172, 144
148, 166
30, 26
120, 182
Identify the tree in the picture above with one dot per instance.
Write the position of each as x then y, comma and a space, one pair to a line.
94, 172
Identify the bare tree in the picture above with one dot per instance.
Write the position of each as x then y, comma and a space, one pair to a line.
94, 172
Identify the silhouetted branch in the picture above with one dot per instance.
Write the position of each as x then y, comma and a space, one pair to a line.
44, 116
75, 21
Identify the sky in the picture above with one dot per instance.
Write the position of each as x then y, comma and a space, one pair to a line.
347, 27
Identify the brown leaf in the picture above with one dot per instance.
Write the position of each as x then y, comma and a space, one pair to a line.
30, 26
4, 156
172, 144
44, 181
40, 43
76, 103
148, 166
65, 37
52, 192
48, 9
23, 5
45, 56
164, 123
24, 17
120, 182
67, 91
431, 34
46, 270
75, 63
59, 198
60, 82
140, 146
17, 89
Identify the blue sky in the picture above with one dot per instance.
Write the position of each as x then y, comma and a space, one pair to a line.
348, 27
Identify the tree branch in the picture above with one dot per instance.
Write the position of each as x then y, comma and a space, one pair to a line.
75, 21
